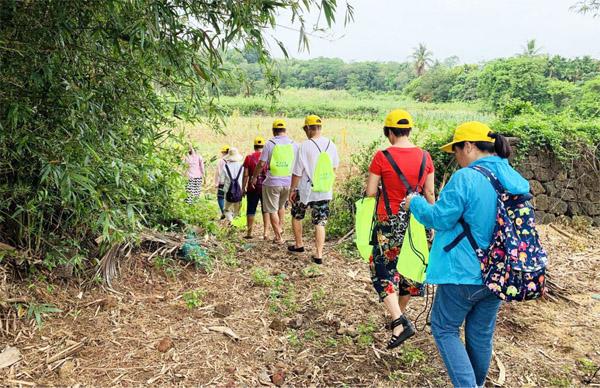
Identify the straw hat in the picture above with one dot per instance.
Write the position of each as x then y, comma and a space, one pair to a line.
233, 155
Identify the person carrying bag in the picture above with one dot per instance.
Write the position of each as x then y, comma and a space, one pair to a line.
401, 169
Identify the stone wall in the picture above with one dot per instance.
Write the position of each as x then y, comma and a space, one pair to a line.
559, 189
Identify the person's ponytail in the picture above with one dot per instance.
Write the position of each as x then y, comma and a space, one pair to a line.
501, 145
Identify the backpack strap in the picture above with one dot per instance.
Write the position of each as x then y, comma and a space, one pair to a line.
491, 177
465, 233
239, 173
319, 148
421, 171
386, 199
402, 176
271, 141
328, 143
403, 179
392, 162
228, 171
466, 228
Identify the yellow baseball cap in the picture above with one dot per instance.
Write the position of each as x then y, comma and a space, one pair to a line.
470, 131
312, 120
225, 149
259, 141
279, 124
398, 118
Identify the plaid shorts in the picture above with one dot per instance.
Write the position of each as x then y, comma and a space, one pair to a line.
319, 213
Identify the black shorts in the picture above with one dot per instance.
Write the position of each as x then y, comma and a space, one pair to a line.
253, 198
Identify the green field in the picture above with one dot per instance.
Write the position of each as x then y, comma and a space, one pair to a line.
350, 120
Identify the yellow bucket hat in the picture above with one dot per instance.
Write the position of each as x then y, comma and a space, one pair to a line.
312, 120
279, 124
398, 118
259, 141
470, 131
225, 149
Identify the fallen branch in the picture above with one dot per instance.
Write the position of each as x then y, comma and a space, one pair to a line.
67, 352
6, 247
225, 330
108, 264
501, 372
345, 237
562, 232
545, 355
20, 299
21, 382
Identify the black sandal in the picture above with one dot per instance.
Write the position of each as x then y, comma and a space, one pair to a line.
317, 260
294, 249
407, 332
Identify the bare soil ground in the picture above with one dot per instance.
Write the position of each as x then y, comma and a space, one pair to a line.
264, 317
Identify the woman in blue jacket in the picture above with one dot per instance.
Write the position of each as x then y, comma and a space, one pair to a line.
461, 296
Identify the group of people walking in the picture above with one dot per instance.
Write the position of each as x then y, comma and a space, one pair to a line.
402, 177
280, 174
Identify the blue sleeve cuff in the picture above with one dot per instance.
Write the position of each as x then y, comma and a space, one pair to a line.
422, 210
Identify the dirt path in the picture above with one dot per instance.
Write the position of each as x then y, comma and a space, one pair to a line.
294, 323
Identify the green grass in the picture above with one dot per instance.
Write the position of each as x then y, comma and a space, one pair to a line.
411, 355
561, 382
343, 104
293, 339
365, 333
312, 271
193, 298
396, 377
167, 265
349, 120
261, 277
318, 298
586, 365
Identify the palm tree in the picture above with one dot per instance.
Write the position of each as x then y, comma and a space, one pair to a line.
530, 49
587, 6
423, 58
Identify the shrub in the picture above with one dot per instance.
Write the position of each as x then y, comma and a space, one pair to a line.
520, 78
193, 298
566, 137
261, 277
587, 104
350, 191
87, 94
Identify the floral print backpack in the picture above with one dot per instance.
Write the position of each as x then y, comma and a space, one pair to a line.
514, 265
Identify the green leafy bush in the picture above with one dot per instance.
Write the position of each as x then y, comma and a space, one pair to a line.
350, 191
442, 84
87, 94
587, 104
562, 134
193, 298
520, 78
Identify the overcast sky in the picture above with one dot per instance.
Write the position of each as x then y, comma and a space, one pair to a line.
473, 30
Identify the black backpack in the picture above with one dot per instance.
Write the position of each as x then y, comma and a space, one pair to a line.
234, 192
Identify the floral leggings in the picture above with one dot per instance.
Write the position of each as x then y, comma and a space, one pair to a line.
382, 263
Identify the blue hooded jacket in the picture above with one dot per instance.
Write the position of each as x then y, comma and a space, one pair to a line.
470, 195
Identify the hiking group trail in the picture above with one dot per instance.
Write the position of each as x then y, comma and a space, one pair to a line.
266, 317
